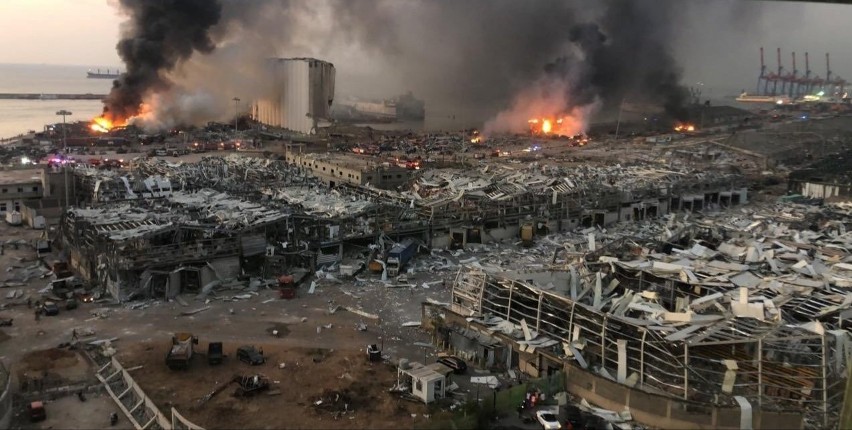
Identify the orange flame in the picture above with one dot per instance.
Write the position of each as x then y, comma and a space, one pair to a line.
547, 126
105, 123
684, 127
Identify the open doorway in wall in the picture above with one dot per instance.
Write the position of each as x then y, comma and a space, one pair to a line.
190, 281
457, 240
651, 212
159, 284
675, 204
600, 219
474, 235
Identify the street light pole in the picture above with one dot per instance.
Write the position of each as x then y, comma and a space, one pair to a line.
236, 114
618, 122
65, 113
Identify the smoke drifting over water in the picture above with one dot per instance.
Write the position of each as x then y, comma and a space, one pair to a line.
506, 59
158, 35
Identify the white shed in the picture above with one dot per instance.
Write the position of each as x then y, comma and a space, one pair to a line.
427, 383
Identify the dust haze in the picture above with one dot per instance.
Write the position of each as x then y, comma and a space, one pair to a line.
478, 58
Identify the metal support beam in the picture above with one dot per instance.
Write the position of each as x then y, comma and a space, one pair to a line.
509, 306
685, 371
760, 372
603, 342
824, 357
538, 312
642, 357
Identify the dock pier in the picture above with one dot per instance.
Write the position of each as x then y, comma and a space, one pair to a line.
45, 96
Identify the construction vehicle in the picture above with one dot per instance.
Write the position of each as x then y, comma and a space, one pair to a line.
36, 412
399, 255
288, 281
214, 353
286, 287
527, 234
250, 355
180, 353
247, 386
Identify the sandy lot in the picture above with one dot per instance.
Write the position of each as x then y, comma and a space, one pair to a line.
352, 390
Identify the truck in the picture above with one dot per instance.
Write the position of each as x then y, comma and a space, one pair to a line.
214, 353
399, 255
180, 352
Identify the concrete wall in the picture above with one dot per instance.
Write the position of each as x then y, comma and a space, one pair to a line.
663, 412
339, 171
821, 190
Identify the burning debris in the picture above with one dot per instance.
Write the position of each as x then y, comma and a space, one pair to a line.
684, 127
614, 57
552, 127
158, 36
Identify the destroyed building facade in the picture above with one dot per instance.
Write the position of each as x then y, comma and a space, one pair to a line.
164, 228
727, 324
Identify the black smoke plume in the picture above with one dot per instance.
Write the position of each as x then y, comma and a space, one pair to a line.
627, 56
475, 57
157, 36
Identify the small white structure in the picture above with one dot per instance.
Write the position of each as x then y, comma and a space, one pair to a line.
13, 218
427, 383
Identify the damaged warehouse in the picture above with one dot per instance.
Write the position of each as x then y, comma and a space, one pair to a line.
183, 224
749, 330
164, 228
159, 242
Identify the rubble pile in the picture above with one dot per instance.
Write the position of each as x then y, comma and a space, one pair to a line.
768, 285
505, 183
252, 178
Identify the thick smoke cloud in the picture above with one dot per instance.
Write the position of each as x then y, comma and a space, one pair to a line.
475, 57
622, 55
158, 35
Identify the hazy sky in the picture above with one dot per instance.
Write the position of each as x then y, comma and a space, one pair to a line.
78, 32
711, 48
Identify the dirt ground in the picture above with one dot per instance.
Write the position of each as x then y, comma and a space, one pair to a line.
354, 392
57, 366
70, 413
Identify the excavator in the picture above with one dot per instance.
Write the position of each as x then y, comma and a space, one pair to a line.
247, 386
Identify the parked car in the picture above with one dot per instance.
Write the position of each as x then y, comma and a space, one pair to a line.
250, 355
457, 364
547, 419
50, 309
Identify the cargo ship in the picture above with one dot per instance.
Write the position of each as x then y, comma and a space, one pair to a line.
402, 108
105, 75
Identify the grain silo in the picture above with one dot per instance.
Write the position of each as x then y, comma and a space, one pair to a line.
302, 95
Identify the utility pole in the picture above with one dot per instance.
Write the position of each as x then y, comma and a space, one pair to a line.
236, 114
618, 121
65, 113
